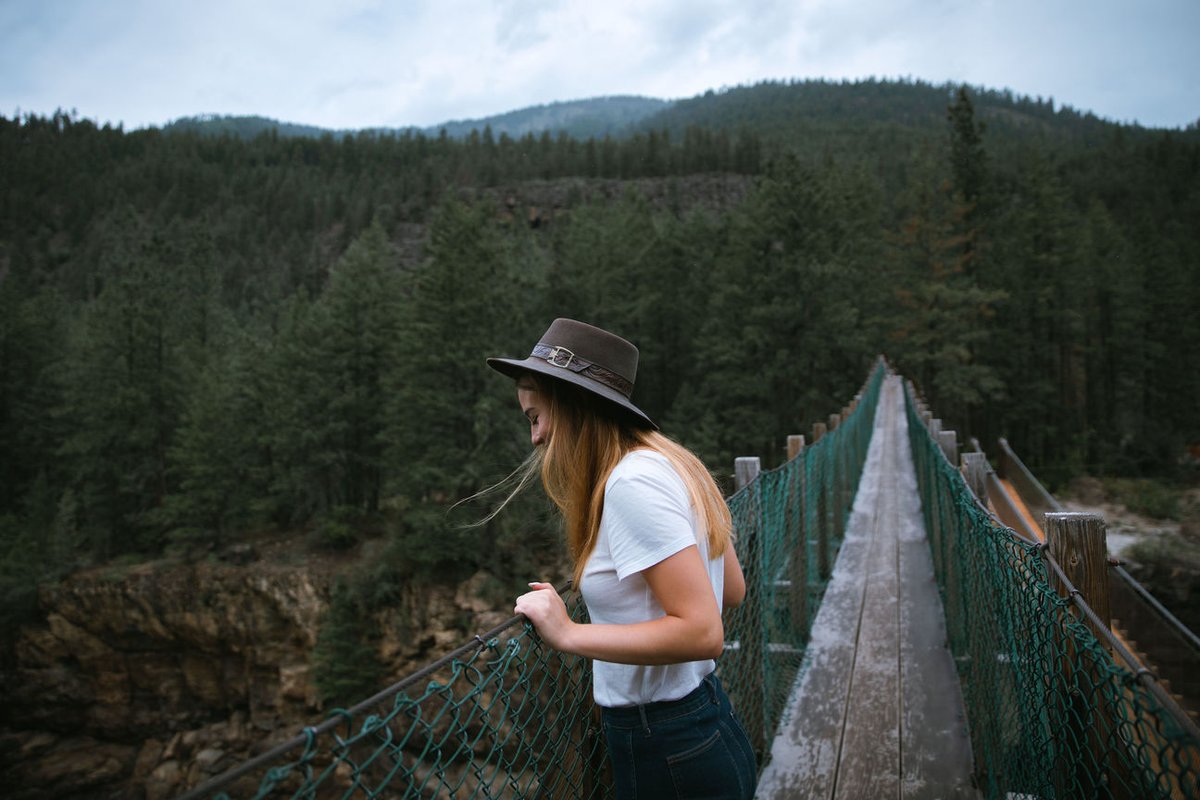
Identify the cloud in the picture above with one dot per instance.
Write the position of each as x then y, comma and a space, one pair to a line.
519, 24
359, 63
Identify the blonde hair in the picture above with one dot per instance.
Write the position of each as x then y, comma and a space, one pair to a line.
588, 439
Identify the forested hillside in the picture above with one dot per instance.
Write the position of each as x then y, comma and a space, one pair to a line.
598, 117
847, 117
203, 338
595, 118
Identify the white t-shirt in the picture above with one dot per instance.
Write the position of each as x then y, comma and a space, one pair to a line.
647, 518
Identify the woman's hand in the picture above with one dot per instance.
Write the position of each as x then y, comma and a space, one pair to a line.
689, 630
546, 610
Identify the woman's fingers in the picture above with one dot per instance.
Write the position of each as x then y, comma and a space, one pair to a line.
533, 604
536, 600
545, 609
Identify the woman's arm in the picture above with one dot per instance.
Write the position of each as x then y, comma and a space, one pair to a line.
690, 630
735, 582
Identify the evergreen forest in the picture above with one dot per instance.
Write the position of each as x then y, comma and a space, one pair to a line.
205, 337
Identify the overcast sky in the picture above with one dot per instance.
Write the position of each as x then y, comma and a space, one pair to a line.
366, 63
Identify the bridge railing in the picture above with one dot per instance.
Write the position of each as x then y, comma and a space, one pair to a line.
789, 522
1054, 708
1171, 647
504, 716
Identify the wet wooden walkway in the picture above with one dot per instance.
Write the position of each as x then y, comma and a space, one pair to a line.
877, 710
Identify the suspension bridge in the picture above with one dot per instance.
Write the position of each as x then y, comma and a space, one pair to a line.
907, 633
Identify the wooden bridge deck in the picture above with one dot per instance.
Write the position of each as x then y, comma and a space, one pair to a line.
877, 711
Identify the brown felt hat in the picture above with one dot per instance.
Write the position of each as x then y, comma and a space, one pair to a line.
586, 356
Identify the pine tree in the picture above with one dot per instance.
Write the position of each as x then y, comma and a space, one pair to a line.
347, 667
783, 336
299, 435
452, 421
942, 320
968, 159
32, 335
363, 314
123, 382
217, 461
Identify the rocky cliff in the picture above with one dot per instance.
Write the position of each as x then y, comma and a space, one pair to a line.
146, 681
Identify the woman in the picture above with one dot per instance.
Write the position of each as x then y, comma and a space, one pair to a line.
650, 537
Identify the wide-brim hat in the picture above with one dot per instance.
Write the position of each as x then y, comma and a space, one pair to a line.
591, 358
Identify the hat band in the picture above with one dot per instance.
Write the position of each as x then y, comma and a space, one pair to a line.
563, 358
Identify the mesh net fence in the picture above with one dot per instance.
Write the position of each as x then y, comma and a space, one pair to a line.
504, 716
1052, 712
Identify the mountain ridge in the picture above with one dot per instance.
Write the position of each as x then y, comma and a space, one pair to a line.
593, 117
775, 105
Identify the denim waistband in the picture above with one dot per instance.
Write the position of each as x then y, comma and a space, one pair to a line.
641, 716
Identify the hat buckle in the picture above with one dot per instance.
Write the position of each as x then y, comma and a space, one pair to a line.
556, 353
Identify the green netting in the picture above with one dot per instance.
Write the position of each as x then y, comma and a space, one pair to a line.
1051, 713
506, 717
789, 524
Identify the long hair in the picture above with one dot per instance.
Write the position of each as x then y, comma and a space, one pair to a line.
588, 438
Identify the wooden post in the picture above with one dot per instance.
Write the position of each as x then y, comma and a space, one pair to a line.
1077, 543
834, 460
798, 558
846, 459
745, 470
937, 528
822, 517
949, 442
974, 470
795, 445
752, 653
822, 506
950, 526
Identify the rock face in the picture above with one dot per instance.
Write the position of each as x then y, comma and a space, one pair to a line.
147, 683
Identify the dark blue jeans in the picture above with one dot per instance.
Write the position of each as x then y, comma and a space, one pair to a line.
693, 747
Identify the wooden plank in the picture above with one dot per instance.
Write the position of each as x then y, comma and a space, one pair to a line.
870, 762
804, 754
806, 748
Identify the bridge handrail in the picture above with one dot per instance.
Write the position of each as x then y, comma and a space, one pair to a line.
339, 717
1030, 487
1173, 646
1033, 493
1051, 712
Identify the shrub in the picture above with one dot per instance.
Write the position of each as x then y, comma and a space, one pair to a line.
339, 528
1144, 496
